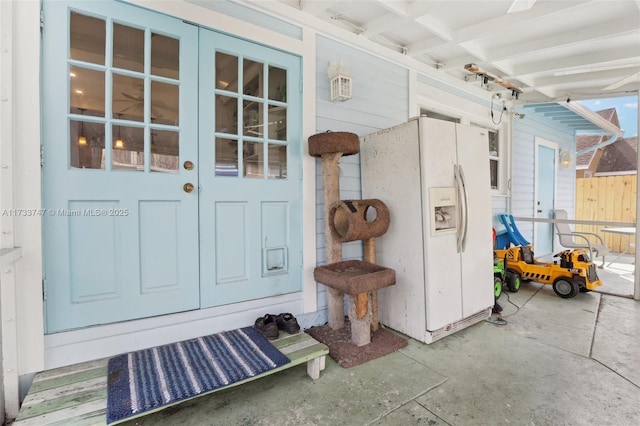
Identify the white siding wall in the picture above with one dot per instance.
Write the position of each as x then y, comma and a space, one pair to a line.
523, 166
380, 100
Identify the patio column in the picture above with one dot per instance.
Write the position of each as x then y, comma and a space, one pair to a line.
636, 276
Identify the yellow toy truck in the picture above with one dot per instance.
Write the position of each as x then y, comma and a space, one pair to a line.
574, 271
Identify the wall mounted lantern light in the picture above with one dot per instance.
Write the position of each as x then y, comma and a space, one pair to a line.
340, 82
566, 160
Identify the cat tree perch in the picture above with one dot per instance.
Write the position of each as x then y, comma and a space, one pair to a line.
349, 220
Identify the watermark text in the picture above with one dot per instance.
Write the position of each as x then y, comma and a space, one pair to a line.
97, 212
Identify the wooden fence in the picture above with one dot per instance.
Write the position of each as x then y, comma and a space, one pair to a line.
607, 198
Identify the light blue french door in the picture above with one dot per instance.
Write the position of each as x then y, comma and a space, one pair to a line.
138, 192
545, 197
250, 170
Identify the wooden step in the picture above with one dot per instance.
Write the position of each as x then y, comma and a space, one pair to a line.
76, 395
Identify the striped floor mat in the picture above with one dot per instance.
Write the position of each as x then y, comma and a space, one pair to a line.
150, 379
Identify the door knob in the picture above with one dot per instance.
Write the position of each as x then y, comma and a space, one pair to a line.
188, 165
188, 187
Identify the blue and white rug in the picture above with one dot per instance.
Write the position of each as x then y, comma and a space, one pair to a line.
149, 379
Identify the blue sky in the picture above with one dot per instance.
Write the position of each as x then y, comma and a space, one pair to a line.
627, 108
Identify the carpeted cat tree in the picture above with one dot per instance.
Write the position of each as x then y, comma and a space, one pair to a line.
344, 221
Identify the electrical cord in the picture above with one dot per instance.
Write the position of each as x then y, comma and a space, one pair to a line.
517, 307
501, 112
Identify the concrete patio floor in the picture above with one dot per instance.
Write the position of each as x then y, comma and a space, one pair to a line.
618, 274
556, 362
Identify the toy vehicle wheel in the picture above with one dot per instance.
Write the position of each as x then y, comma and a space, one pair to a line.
497, 286
513, 281
565, 288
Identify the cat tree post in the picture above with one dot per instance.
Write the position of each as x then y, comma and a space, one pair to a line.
345, 221
331, 147
332, 247
370, 256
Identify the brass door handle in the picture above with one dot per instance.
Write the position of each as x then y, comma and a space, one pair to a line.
188, 187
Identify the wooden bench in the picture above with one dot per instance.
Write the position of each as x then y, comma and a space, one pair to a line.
77, 394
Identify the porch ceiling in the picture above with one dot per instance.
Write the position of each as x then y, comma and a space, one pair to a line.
553, 50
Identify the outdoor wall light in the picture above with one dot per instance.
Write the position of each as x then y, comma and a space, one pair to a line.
566, 160
340, 82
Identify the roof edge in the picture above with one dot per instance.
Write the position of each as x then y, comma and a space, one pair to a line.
593, 117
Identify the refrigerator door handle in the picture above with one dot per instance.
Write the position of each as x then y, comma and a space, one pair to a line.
465, 210
456, 176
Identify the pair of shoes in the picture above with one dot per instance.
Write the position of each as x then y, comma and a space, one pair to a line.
288, 323
267, 326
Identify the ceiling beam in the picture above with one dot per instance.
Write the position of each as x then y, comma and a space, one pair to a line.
435, 27
601, 77
397, 7
506, 22
416, 49
623, 81
311, 6
587, 60
381, 24
626, 26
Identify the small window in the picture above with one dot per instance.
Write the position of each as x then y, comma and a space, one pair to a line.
495, 158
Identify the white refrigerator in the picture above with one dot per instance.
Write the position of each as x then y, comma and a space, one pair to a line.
434, 177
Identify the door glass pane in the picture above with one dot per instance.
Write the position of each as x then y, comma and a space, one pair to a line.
253, 158
86, 145
86, 91
165, 102
165, 151
277, 122
128, 48
128, 148
277, 161
128, 97
226, 72
165, 56
277, 84
252, 118
252, 78
226, 114
87, 41
226, 157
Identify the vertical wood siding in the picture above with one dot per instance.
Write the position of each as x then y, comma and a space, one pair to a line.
380, 100
607, 198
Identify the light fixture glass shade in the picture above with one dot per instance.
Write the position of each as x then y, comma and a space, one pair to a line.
119, 143
82, 140
566, 160
341, 88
